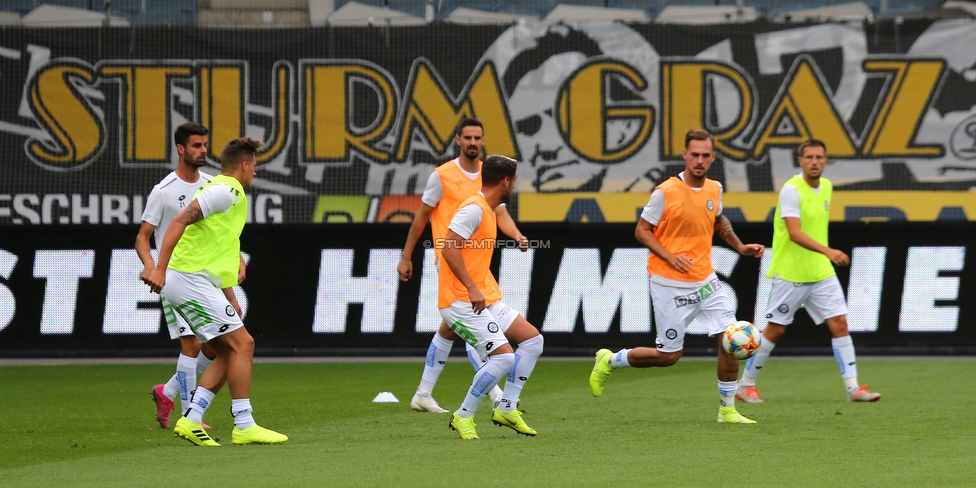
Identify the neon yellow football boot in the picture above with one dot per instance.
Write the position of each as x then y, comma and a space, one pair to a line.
601, 370
512, 420
463, 426
256, 434
193, 432
728, 415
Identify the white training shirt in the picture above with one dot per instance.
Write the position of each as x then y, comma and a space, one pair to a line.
789, 201
654, 210
467, 219
216, 198
167, 199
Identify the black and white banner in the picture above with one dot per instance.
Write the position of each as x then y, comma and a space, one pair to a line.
334, 290
355, 119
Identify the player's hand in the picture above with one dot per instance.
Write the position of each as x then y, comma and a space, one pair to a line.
523, 242
146, 271
477, 300
754, 250
157, 279
838, 257
680, 263
405, 269
241, 273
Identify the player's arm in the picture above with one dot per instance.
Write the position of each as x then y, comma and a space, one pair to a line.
232, 298
507, 225
724, 229
645, 234
452, 256
143, 250
241, 271
189, 216
420, 219
797, 235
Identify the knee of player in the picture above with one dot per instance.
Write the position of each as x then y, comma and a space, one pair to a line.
532, 345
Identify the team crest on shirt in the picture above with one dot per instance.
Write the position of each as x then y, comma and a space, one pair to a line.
709, 205
826, 205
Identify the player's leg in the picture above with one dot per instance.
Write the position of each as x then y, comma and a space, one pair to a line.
476, 362
671, 322
784, 300
164, 395
827, 300
716, 313
437, 353
482, 331
530, 344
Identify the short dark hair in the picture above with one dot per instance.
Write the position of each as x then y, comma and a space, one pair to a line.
468, 122
810, 143
184, 131
496, 168
698, 135
237, 151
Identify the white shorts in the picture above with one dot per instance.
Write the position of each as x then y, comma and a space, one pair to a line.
485, 331
823, 300
676, 308
202, 305
174, 321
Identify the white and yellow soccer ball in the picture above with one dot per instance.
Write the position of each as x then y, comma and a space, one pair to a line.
741, 339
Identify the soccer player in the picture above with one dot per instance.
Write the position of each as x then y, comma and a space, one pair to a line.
196, 271
470, 301
170, 196
677, 225
448, 186
803, 274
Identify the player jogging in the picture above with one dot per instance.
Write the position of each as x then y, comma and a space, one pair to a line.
197, 269
470, 302
803, 274
447, 187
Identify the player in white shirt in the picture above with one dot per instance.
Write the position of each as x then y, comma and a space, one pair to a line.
167, 199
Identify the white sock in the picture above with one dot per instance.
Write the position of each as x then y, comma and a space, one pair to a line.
202, 363
240, 409
526, 356
202, 398
846, 361
726, 390
186, 376
477, 363
755, 364
619, 359
437, 354
488, 375
172, 387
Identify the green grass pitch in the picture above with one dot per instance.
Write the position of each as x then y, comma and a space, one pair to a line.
94, 425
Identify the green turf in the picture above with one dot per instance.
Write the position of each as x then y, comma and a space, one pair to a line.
94, 426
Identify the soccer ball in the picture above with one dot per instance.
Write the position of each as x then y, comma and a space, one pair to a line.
741, 339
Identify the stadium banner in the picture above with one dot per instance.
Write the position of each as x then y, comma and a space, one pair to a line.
356, 118
310, 290
852, 206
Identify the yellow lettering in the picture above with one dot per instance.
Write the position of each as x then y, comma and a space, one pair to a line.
911, 88
584, 112
65, 115
684, 107
430, 110
803, 110
329, 94
282, 94
221, 104
145, 108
